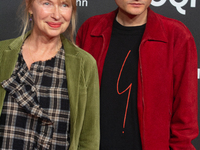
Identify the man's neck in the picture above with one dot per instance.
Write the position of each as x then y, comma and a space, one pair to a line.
131, 20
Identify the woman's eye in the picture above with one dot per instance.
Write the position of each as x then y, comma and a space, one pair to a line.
46, 3
64, 5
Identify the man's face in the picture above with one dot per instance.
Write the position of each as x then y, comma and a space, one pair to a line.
133, 7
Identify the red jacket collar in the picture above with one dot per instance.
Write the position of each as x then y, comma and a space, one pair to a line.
154, 28
104, 26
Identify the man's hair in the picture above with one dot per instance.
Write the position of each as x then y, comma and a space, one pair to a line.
28, 25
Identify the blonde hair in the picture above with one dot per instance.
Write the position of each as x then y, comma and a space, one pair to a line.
28, 25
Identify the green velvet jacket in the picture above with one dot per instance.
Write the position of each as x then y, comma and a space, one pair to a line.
83, 88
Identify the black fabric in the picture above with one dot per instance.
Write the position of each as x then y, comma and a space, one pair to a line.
120, 129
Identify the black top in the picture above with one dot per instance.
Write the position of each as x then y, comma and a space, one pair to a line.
118, 101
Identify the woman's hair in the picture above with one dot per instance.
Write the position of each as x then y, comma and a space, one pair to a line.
28, 25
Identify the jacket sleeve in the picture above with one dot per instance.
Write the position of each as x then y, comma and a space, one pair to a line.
184, 123
90, 134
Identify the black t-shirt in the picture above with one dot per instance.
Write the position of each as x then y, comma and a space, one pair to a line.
118, 98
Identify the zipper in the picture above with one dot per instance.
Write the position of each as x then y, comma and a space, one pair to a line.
101, 53
143, 145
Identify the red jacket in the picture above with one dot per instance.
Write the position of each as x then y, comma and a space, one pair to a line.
167, 78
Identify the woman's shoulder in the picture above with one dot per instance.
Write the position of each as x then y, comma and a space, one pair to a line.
74, 51
5, 43
85, 55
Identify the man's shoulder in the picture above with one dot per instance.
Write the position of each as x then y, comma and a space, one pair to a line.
173, 22
174, 25
98, 19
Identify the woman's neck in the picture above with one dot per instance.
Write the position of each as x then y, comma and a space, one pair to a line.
43, 43
40, 48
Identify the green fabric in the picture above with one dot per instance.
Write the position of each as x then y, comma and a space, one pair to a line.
83, 88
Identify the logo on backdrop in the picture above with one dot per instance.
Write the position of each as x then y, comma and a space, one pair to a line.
178, 5
82, 3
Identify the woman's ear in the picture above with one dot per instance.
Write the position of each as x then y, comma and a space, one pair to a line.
29, 7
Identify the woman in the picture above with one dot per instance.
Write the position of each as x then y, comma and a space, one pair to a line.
49, 96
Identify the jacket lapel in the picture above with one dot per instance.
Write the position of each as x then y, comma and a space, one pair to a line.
154, 25
9, 59
73, 71
8, 62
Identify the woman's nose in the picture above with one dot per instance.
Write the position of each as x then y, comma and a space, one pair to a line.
56, 13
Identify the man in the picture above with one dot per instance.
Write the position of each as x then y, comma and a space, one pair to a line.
147, 67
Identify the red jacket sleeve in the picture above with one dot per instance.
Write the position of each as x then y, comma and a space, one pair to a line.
184, 123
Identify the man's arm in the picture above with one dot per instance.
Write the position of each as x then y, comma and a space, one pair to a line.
184, 124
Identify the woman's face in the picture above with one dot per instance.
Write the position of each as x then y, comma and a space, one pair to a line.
51, 17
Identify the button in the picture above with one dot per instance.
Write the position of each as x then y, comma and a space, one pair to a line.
33, 89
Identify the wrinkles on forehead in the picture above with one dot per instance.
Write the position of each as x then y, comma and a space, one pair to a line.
53, 1
66, 1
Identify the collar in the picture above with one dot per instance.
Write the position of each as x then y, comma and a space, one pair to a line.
154, 28
104, 24
154, 25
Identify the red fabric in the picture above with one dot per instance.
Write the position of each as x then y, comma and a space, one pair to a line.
167, 78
